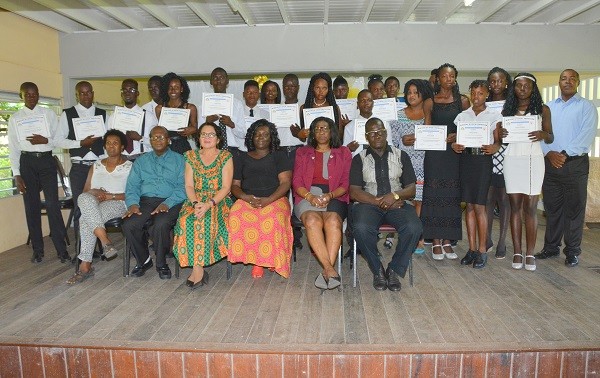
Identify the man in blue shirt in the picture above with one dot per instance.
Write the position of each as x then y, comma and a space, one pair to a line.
155, 190
574, 124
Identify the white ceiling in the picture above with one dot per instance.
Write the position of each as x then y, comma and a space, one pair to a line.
76, 16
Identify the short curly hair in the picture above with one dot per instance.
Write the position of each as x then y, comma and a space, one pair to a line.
218, 131
117, 133
249, 142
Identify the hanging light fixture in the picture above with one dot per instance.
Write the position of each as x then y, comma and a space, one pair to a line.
468, 3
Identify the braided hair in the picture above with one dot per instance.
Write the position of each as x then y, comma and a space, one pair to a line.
508, 81
536, 104
164, 87
310, 96
263, 92
249, 142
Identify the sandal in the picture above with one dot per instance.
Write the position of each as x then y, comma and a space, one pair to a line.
437, 256
80, 277
110, 252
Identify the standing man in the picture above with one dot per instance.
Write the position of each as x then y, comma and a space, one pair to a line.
83, 152
155, 190
574, 123
136, 143
251, 96
34, 169
381, 180
234, 126
291, 86
150, 107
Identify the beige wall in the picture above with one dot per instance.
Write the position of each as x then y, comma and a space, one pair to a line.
31, 53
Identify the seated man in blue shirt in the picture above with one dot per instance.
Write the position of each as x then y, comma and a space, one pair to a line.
155, 189
381, 180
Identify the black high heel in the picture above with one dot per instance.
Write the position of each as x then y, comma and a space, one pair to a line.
202, 282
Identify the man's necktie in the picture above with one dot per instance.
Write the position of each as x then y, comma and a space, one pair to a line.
251, 112
224, 133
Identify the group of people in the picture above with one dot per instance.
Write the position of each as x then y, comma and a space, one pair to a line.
219, 187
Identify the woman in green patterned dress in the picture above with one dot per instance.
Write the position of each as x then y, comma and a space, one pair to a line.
201, 237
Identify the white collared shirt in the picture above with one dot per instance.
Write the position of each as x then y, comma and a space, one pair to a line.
62, 140
237, 135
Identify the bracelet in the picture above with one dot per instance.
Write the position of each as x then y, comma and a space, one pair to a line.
213, 202
194, 204
306, 195
331, 196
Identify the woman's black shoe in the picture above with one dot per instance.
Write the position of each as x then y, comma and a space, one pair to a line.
469, 258
480, 260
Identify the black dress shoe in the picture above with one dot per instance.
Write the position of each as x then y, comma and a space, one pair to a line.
546, 255
37, 257
380, 280
469, 258
64, 257
480, 260
164, 272
571, 261
139, 270
393, 282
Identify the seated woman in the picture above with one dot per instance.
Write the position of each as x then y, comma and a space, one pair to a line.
320, 181
201, 236
259, 221
103, 198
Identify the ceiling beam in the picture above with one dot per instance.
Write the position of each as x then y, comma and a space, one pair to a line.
242, 10
86, 16
160, 11
487, 10
592, 16
326, 12
202, 12
411, 8
124, 14
450, 7
43, 16
521, 13
574, 11
284, 14
368, 11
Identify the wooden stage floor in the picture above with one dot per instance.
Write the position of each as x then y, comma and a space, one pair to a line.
450, 309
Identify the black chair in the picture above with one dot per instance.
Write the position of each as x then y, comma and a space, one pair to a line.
65, 201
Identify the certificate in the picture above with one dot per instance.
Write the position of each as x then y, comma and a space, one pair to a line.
285, 115
87, 126
474, 134
217, 103
348, 107
430, 137
249, 121
495, 106
37, 124
312, 113
174, 119
385, 109
126, 119
520, 127
359, 131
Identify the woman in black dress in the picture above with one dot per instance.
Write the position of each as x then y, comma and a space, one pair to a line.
441, 213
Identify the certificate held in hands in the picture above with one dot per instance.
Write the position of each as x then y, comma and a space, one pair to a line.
37, 124
519, 128
87, 126
430, 137
347, 107
217, 104
385, 109
474, 134
359, 131
174, 119
284, 115
126, 119
312, 113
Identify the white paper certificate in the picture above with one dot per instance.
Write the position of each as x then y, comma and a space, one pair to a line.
519, 127
174, 119
37, 124
126, 119
217, 103
430, 137
359, 131
473, 134
348, 107
385, 109
495, 106
312, 113
285, 115
87, 126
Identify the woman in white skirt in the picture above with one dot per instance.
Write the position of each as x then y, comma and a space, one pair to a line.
524, 165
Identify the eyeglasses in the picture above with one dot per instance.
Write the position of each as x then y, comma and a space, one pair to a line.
375, 133
158, 138
321, 129
130, 90
208, 135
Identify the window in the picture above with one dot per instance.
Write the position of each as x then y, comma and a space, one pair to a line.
9, 104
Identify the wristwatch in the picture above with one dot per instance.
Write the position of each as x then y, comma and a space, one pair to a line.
396, 196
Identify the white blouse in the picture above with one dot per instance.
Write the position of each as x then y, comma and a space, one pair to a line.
112, 182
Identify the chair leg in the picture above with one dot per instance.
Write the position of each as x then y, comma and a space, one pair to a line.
410, 271
229, 270
126, 257
176, 268
354, 263
339, 263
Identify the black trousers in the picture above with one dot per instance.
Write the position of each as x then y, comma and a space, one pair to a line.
565, 197
159, 230
39, 174
78, 175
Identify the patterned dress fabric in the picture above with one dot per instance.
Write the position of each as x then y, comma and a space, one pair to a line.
405, 126
203, 241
